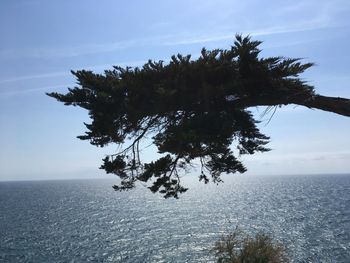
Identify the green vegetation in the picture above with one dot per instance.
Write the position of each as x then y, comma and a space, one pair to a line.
193, 111
237, 247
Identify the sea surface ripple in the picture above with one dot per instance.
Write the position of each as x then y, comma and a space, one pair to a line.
87, 221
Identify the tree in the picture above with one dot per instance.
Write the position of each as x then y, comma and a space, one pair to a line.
192, 110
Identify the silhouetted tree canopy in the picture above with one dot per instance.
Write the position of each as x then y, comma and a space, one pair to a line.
194, 111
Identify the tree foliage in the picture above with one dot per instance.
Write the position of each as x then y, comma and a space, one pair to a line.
193, 111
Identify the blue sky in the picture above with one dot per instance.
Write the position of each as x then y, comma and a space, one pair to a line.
43, 40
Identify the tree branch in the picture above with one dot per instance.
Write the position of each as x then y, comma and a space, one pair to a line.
336, 105
332, 104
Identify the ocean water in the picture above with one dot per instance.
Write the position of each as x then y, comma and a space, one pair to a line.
87, 221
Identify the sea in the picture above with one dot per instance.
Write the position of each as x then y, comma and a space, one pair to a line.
87, 221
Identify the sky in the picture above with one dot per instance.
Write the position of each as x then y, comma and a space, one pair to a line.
41, 41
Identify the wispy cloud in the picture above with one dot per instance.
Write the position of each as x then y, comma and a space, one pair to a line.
227, 36
80, 50
67, 73
322, 21
164, 40
35, 76
301, 157
10, 93
160, 40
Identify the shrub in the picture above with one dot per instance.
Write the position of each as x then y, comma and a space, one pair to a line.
238, 247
